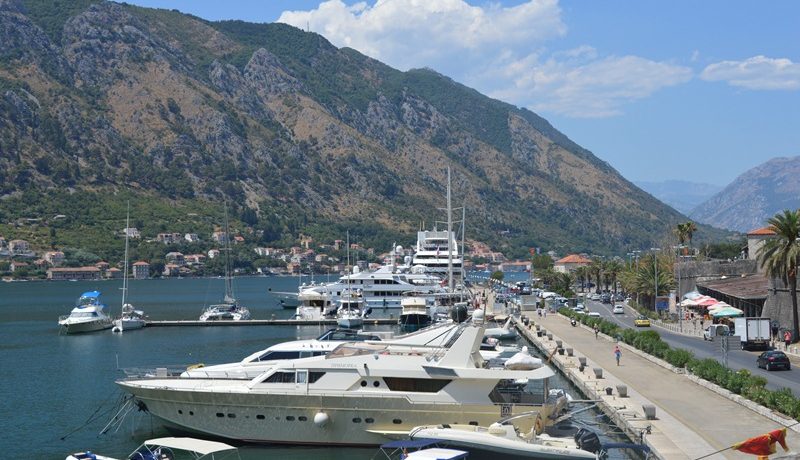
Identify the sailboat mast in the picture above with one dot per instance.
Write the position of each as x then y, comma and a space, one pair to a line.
228, 281
125, 268
449, 235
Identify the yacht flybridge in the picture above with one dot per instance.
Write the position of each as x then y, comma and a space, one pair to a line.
361, 393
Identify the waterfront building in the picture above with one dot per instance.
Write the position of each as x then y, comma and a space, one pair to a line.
141, 270
756, 239
73, 273
570, 263
17, 265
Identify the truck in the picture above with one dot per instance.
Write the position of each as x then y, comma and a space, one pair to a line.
754, 333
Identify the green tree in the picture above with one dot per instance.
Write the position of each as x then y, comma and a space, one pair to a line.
779, 256
497, 275
596, 270
613, 269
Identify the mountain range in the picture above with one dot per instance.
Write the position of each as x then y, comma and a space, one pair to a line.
753, 197
100, 100
682, 195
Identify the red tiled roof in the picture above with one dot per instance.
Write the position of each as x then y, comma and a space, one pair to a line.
573, 259
761, 231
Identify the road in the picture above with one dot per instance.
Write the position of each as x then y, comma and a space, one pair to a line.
737, 358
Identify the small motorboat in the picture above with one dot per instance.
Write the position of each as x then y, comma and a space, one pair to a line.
414, 313
506, 332
502, 441
89, 315
419, 449
166, 448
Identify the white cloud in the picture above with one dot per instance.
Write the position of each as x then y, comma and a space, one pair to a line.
499, 51
438, 34
577, 83
758, 72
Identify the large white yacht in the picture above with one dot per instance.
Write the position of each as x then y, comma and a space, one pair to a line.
381, 288
88, 316
361, 393
431, 252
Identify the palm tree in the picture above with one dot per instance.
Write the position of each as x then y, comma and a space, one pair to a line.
690, 227
614, 268
680, 232
779, 256
595, 268
581, 274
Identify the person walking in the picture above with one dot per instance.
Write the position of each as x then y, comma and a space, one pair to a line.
596, 331
787, 339
617, 353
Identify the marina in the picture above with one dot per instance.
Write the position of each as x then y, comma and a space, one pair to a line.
80, 401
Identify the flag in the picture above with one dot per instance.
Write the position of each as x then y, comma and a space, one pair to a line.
763, 445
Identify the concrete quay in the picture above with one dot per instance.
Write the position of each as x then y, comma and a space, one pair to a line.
691, 420
263, 322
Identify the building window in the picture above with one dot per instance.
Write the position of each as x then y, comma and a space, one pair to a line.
180, 411
302, 418
231, 415
369, 420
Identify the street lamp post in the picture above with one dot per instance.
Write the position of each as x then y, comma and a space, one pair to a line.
655, 278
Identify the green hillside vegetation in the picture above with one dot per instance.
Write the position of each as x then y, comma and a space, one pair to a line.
137, 104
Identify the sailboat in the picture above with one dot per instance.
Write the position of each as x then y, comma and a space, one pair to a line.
229, 309
130, 317
350, 313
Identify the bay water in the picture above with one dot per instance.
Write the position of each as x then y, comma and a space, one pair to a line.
58, 391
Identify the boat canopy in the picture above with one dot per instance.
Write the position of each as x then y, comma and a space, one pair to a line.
200, 446
90, 295
410, 443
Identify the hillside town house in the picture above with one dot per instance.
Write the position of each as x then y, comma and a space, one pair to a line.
131, 232
175, 258
195, 259
54, 258
191, 237
220, 237
169, 238
212, 253
19, 247
17, 265
141, 270
569, 263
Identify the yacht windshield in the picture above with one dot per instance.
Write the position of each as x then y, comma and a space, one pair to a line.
355, 349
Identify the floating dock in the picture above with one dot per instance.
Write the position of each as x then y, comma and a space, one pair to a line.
265, 322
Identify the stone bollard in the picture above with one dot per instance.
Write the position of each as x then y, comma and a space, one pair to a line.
549, 336
538, 333
598, 372
609, 391
649, 411
538, 328
622, 390
560, 351
582, 360
569, 351
558, 343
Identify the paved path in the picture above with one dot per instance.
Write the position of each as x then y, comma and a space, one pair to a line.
698, 420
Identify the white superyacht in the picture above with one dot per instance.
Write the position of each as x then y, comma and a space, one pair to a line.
361, 393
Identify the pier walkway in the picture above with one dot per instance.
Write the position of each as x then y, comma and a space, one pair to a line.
263, 322
691, 420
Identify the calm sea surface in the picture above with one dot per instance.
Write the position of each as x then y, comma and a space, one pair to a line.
58, 391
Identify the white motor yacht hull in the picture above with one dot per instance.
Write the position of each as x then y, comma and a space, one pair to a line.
127, 324
350, 323
80, 327
363, 420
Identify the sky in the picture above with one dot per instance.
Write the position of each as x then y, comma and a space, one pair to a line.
697, 91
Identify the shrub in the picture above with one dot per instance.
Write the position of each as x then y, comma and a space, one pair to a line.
679, 357
738, 381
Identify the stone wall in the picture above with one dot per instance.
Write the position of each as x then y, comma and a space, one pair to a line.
779, 303
690, 273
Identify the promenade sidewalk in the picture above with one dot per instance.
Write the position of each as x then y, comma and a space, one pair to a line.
696, 419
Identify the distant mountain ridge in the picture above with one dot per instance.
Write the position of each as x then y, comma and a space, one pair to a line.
753, 197
681, 195
106, 97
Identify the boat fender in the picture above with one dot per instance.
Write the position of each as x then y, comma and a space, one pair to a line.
321, 419
538, 425
195, 366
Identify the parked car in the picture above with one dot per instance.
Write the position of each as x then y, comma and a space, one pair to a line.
642, 321
594, 296
619, 298
605, 298
772, 359
618, 310
593, 314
